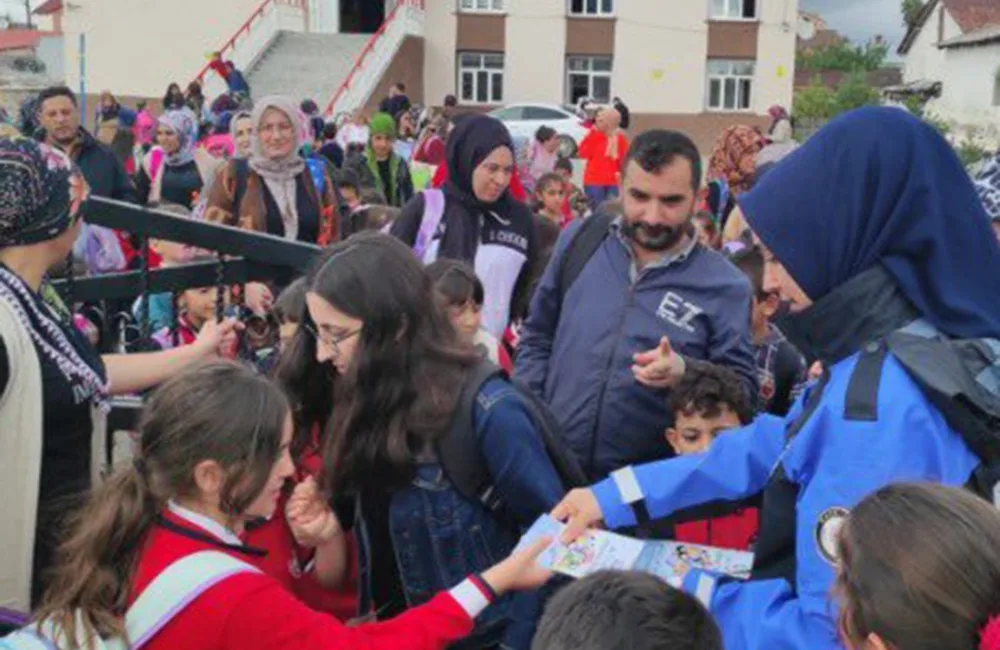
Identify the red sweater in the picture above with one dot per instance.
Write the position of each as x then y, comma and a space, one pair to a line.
601, 170
736, 531
251, 611
285, 558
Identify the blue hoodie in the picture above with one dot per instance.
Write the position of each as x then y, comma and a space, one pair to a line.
577, 353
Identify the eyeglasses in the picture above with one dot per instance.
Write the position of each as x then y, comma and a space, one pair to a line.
332, 342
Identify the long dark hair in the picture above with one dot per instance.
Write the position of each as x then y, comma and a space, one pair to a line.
919, 567
407, 372
189, 419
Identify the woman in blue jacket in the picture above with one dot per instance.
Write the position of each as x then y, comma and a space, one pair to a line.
871, 227
398, 370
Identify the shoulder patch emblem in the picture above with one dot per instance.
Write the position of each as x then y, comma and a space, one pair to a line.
827, 534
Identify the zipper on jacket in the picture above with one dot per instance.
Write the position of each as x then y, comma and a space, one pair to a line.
606, 376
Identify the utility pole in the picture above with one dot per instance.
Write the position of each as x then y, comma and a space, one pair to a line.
27, 13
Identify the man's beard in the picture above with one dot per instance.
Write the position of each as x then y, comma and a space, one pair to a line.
658, 237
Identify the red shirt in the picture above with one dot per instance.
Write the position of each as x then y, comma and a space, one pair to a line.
736, 531
601, 170
251, 611
286, 560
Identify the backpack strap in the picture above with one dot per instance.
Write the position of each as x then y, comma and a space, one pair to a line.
861, 400
459, 452
585, 243
241, 171
433, 213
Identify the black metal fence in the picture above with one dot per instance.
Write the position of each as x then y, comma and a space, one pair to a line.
241, 257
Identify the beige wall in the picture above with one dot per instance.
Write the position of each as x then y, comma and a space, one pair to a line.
924, 61
137, 47
535, 58
659, 64
775, 72
439, 50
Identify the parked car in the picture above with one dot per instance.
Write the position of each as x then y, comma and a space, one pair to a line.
523, 120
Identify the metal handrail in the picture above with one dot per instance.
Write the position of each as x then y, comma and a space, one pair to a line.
245, 28
366, 50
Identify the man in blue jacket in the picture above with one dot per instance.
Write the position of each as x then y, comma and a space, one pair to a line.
602, 349
860, 273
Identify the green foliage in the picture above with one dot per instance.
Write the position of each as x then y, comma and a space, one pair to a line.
844, 57
817, 102
911, 9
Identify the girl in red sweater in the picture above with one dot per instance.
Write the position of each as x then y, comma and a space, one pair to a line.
203, 470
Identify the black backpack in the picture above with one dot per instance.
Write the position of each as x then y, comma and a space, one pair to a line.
960, 377
461, 456
581, 248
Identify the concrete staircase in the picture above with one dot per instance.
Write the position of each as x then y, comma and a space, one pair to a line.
305, 65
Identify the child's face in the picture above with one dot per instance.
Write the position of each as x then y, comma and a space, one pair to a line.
694, 433
199, 304
551, 145
566, 174
466, 319
172, 252
382, 146
552, 197
350, 195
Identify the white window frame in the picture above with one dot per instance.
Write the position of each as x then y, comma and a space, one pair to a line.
732, 10
591, 75
599, 12
729, 72
482, 6
492, 71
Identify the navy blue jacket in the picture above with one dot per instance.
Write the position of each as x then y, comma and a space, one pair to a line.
577, 353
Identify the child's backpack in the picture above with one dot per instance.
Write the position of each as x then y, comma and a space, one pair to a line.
462, 459
173, 590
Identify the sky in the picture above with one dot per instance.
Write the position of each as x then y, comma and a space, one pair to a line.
859, 20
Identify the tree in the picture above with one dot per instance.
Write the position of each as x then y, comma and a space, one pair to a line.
855, 92
911, 11
815, 102
845, 57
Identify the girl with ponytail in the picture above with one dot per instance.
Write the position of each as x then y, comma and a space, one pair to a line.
919, 569
214, 455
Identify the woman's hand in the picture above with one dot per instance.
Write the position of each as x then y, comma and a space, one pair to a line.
312, 521
520, 571
580, 511
258, 298
216, 337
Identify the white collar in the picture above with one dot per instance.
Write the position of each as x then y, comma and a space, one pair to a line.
207, 523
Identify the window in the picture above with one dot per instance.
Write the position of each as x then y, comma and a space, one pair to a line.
542, 114
734, 9
509, 114
486, 6
591, 7
480, 78
730, 85
996, 88
588, 76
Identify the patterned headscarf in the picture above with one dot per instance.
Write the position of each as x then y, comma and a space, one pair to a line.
988, 187
40, 190
734, 158
183, 123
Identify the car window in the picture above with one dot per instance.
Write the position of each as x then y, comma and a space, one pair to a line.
542, 113
509, 113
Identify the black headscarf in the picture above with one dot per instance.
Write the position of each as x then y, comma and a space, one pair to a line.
472, 140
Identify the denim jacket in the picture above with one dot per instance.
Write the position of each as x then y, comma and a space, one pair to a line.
440, 537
